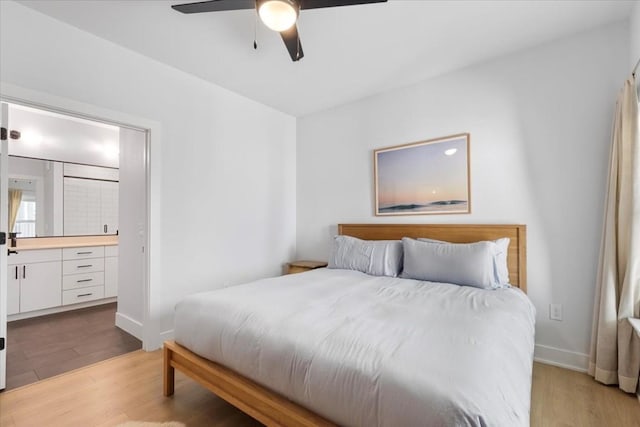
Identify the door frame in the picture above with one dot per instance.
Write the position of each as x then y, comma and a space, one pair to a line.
4, 219
151, 336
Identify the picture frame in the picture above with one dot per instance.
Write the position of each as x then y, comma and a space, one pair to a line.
429, 177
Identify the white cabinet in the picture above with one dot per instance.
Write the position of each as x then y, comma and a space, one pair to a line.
75, 296
35, 280
83, 252
46, 278
110, 277
81, 207
110, 271
78, 266
109, 206
13, 290
40, 286
82, 274
73, 281
90, 207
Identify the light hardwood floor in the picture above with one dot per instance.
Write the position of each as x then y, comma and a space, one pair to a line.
566, 398
129, 387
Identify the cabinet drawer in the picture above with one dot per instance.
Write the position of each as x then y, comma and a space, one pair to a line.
77, 266
35, 255
74, 296
82, 253
74, 281
111, 250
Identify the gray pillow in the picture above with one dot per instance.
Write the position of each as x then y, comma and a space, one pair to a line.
374, 257
499, 262
468, 264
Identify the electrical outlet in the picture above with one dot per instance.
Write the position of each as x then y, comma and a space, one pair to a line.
555, 312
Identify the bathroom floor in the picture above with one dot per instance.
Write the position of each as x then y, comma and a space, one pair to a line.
46, 346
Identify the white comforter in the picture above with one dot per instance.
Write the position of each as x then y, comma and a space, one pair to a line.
373, 351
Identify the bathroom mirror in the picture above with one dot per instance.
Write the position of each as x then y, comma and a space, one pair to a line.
52, 198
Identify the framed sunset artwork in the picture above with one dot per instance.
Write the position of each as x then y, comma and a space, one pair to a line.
428, 177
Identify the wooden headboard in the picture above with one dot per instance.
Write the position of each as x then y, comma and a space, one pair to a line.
456, 233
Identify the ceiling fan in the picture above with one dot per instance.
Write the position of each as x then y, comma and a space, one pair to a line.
278, 15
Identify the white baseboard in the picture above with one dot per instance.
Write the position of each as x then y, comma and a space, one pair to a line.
129, 325
561, 358
60, 309
157, 340
166, 335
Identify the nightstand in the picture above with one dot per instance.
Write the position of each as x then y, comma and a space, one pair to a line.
302, 266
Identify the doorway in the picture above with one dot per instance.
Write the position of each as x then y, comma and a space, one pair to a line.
79, 202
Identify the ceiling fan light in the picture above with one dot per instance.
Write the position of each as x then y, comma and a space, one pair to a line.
278, 15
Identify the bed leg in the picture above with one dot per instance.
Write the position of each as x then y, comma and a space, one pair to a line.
168, 372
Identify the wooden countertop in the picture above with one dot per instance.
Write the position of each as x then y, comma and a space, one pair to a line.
35, 243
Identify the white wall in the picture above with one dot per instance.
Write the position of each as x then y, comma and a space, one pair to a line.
539, 121
634, 36
222, 166
132, 229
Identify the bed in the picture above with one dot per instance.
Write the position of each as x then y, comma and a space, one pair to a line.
337, 347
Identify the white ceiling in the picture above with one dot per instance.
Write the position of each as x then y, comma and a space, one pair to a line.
350, 52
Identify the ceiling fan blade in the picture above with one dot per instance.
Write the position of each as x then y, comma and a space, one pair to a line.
316, 4
292, 41
214, 6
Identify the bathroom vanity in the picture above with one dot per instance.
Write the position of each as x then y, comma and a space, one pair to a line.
65, 216
48, 275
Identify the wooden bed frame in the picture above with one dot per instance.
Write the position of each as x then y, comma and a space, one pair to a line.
273, 409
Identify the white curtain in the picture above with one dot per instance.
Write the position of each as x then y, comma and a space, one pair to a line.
15, 198
615, 347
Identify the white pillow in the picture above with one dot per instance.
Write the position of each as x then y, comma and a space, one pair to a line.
500, 259
469, 264
374, 257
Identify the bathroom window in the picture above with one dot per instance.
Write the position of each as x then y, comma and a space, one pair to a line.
26, 218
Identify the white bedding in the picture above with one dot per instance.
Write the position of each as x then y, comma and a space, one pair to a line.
373, 351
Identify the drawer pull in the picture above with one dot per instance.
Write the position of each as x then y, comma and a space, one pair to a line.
85, 295
84, 253
85, 266
84, 280
16, 272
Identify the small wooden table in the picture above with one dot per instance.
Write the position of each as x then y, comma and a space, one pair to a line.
302, 266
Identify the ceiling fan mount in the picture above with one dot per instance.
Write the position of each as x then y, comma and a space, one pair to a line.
279, 15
